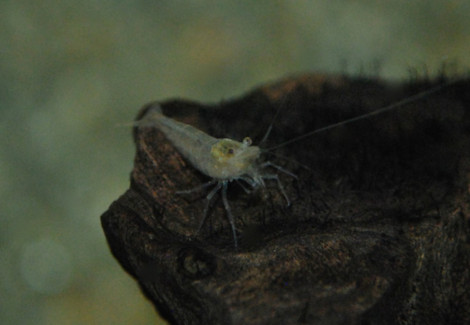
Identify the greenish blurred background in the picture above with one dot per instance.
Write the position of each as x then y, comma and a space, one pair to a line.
72, 70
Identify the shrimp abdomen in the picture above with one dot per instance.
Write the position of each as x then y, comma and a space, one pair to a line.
193, 144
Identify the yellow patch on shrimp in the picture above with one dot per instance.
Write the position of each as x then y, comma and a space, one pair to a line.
225, 149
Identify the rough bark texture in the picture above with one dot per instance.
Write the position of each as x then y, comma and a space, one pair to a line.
378, 228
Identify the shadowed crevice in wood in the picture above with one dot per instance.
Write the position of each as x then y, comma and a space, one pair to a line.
378, 228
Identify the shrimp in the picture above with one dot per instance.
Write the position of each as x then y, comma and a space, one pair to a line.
224, 160
227, 160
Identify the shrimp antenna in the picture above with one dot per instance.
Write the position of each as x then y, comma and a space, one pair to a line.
268, 131
289, 160
390, 107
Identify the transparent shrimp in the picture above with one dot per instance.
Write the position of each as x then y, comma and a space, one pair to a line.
226, 160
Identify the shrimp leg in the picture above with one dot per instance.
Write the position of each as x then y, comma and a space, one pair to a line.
197, 188
229, 213
247, 191
276, 177
230, 217
208, 202
285, 171
248, 180
279, 185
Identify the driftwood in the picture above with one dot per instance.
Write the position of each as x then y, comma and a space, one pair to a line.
378, 228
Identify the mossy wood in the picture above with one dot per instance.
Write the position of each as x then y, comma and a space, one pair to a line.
378, 228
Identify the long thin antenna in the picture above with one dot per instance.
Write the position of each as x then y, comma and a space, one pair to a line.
390, 107
268, 131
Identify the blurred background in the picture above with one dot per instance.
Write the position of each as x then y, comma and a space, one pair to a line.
70, 71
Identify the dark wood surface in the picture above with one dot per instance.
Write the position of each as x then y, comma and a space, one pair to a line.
378, 228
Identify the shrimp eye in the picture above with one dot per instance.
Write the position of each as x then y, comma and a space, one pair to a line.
231, 151
247, 141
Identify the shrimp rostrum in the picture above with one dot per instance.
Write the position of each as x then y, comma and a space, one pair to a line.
223, 160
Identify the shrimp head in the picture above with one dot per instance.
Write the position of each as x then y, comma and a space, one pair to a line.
232, 159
